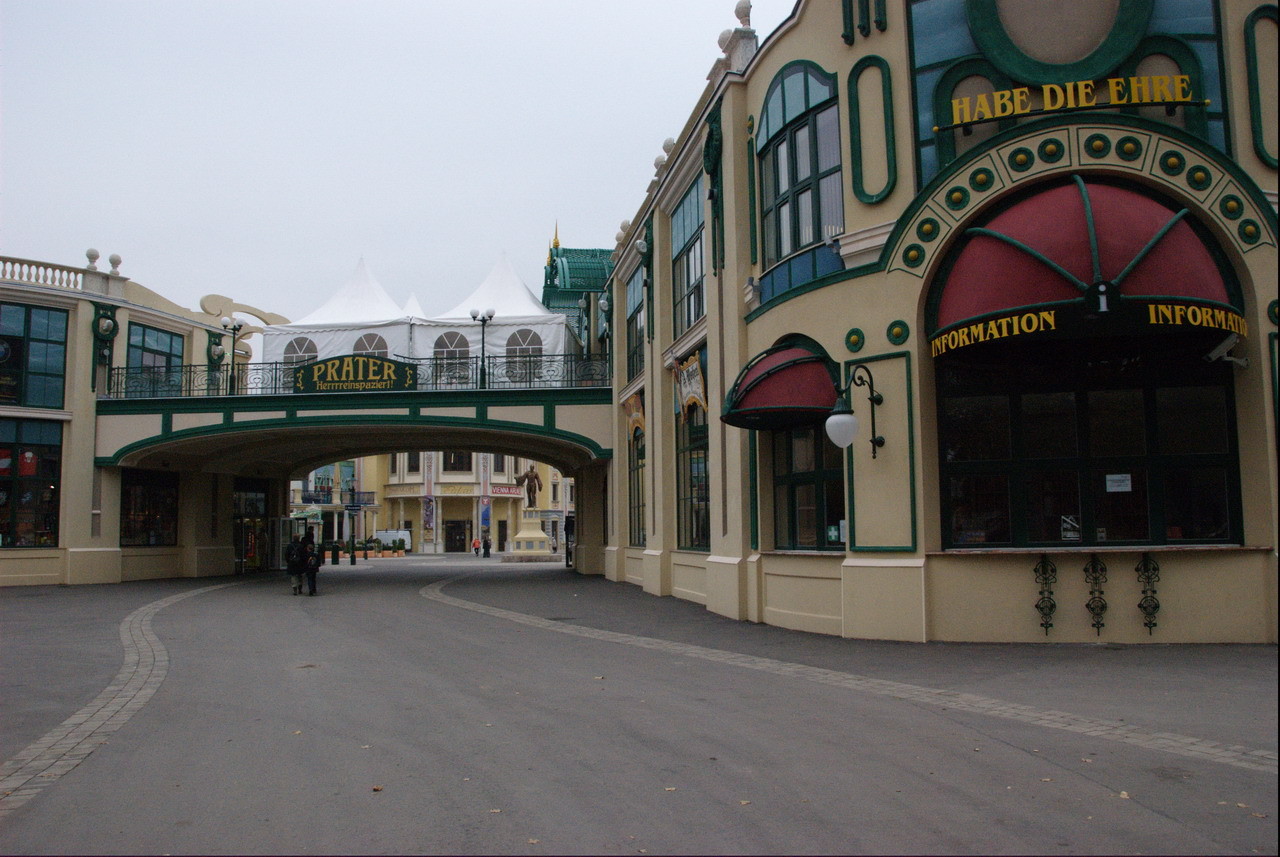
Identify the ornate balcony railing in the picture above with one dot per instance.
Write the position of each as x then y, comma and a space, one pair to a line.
548, 371
32, 273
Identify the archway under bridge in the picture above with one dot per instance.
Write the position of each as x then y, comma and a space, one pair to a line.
276, 438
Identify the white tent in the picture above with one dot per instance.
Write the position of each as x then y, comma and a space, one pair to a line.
362, 317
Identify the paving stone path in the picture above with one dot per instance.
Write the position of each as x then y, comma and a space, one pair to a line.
1182, 745
146, 662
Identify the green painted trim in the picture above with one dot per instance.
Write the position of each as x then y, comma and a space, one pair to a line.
1033, 253
482, 412
831, 78
882, 16
166, 424
1132, 19
751, 199
864, 17
1267, 12
950, 173
572, 438
1188, 63
549, 416
813, 286
855, 131
846, 10
912, 547
753, 486
964, 67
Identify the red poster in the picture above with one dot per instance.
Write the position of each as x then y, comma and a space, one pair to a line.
27, 463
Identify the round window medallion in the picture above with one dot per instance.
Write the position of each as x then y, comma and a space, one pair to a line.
854, 340
898, 332
1051, 151
1129, 148
1097, 146
1021, 159
927, 230
1231, 207
913, 256
1172, 163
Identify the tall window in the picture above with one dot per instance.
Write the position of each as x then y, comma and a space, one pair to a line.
499, 464
1133, 444
524, 348
155, 358
33, 355
371, 345
300, 350
693, 516
687, 265
413, 463
808, 490
801, 198
148, 508
30, 476
635, 324
394, 464
635, 489
452, 354
457, 462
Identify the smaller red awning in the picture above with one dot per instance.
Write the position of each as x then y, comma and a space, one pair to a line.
786, 386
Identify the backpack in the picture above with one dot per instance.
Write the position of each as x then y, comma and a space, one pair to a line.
313, 561
292, 553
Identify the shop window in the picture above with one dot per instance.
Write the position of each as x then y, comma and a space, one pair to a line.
802, 200
154, 359
148, 508
693, 519
371, 345
687, 265
635, 489
1109, 441
635, 324
300, 349
808, 490
33, 356
30, 477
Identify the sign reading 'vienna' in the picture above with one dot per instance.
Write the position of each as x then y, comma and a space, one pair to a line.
354, 374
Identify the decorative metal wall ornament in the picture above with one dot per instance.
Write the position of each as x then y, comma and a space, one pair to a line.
1148, 576
1046, 576
1095, 574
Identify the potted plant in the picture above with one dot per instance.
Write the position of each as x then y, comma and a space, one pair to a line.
399, 546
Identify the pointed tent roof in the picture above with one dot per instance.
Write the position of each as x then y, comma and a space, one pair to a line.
413, 309
502, 291
361, 299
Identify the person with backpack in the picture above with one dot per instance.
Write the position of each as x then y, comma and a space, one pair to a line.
293, 563
311, 566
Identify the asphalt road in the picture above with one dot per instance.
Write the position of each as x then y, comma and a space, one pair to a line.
471, 707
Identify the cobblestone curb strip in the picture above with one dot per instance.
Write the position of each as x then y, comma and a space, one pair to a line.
1109, 730
146, 662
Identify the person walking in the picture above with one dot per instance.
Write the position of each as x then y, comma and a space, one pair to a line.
311, 567
486, 544
294, 557
475, 545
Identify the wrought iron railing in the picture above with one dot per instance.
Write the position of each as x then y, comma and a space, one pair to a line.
547, 371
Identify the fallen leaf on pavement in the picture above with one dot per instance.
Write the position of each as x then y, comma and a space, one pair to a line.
377, 788
1124, 795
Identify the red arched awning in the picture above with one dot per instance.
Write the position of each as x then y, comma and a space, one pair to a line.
1041, 250
788, 385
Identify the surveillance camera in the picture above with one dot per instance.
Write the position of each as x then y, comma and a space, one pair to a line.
1223, 347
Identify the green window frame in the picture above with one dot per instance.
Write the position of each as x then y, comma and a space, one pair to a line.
1045, 449
154, 360
636, 531
30, 482
635, 324
33, 356
800, 162
808, 490
688, 266
148, 508
693, 495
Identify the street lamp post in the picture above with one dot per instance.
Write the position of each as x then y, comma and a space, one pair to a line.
233, 326
484, 318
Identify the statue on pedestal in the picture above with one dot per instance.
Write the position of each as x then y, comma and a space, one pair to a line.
532, 483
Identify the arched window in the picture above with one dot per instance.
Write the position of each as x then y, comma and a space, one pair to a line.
452, 364
372, 345
524, 356
300, 350
524, 343
799, 151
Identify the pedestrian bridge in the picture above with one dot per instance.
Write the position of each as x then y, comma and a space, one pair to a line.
280, 420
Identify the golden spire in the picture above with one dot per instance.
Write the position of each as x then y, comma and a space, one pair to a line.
556, 241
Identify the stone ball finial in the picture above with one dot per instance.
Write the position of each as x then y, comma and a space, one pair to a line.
668, 144
659, 162
114, 259
743, 12
92, 255
625, 226
723, 41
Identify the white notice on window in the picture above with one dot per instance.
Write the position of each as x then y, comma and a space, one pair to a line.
1070, 528
1119, 483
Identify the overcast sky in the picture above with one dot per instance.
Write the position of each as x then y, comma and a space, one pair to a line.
259, 148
